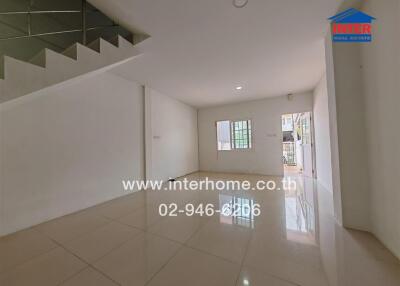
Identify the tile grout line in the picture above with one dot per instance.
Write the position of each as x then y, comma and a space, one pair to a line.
91, 264
116, 220
72, 276
5, 272
244, 257
182, 245
193, 248
203, 251
185, 243
269, 274
114, 248
80, 235
181, 248
80, 259
164, 265
84, 269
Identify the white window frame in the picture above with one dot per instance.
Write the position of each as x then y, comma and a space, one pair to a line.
250, 135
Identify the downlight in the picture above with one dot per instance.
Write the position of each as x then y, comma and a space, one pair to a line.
240, 3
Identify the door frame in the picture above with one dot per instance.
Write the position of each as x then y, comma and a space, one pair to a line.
313, 151
312, 138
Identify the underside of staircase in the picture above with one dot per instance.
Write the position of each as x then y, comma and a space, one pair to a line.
49, 68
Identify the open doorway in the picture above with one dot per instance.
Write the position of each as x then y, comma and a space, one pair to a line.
297, 144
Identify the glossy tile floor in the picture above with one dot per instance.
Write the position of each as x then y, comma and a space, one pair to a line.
294, 241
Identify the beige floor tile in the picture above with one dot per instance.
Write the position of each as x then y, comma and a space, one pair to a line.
121, 206
89, 277
142, 218
135, 262
172, 196
179, 228
96, 244
295, 241
194, 268
22, 246
224, 240
273, 245
48, 269
256, 278
71, 226
208, 197
285, 268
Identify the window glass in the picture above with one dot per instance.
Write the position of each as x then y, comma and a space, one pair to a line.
234, 134
242, 134
223, 135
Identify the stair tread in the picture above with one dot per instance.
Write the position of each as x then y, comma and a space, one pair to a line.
50, 52
122, 42
39, 59
114, 40
10, 60
95, 45
71, 52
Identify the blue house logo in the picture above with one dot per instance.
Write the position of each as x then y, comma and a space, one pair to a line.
351, 25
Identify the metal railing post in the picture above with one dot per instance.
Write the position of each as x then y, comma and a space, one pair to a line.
84, 26
29, 18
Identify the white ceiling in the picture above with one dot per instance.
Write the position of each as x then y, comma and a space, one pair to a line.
201, 50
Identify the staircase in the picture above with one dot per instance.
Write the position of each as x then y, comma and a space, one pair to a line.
49, 68
45, 43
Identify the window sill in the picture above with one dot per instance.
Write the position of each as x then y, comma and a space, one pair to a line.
237, 150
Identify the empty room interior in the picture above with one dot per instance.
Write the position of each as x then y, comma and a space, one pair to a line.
183, 142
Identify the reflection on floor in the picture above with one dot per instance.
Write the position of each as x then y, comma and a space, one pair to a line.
291, 170
294, 241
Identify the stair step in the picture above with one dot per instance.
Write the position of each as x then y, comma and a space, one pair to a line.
95, 45
101, 45
126, 48
104, 44
39, 59
123, 43
21, 78
72, 52
114, 40
120, 41
89, 59
110, 52
48, 67
138, 38
54, 61
2, 67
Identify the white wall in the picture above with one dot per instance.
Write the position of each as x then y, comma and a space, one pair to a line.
351, 134
323, 158
365, 84
68, 148
171, 137
266, 155
333, 130
381, 82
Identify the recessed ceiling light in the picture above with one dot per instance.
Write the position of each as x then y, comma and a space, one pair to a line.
239, 87
240, 3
